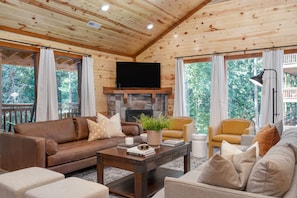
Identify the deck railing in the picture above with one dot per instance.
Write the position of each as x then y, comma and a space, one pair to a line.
21, 113
290, 94
290, 59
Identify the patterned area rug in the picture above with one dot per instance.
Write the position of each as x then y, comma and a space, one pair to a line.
112, 174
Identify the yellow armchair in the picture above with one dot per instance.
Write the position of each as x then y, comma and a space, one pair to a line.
180, 128
229, 130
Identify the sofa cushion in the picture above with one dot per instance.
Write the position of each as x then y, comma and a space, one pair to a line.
81, 126
272, 174
59, 130
51, 147
82, 149
97, 130
113, 125
233, 173
267, 137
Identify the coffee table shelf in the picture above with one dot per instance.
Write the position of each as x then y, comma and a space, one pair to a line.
148, 176
125, 185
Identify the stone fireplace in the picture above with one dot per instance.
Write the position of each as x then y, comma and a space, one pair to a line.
130, 103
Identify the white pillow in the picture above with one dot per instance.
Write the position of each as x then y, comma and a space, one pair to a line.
228, 149
113, 125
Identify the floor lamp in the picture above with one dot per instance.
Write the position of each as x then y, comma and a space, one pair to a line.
258, 80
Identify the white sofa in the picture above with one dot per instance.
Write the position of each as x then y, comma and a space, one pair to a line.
187, 186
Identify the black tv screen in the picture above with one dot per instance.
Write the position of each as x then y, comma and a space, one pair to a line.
138, 75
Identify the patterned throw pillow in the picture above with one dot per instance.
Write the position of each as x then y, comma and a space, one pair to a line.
113, 125
97, 130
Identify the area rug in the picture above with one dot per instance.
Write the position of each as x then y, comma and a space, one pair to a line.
112, 174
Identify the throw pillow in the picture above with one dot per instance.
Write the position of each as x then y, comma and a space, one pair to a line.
279, 126
228, 149
51, 147
266, 139
113, 125
97, 130
272, 175
229, 173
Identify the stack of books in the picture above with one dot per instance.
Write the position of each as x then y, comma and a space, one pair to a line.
141, 151
173, 142
126, 146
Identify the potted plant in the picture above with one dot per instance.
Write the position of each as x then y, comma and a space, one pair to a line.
153, 127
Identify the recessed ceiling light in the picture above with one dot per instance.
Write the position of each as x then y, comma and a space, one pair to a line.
105, 7
150, 26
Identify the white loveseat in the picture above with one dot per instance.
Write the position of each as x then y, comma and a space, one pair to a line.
276, 174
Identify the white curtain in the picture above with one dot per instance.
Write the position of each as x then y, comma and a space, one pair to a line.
88, 102
272, 60
47, 99
219, 92
180, 108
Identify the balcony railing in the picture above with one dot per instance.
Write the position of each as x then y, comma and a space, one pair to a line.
290, 94
21, 113
290, 59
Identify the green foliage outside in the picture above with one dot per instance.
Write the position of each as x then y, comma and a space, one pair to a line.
198, 77
67, 83
241, 103
17, 80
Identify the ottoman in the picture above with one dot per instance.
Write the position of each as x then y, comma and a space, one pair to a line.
14, 184
70, 187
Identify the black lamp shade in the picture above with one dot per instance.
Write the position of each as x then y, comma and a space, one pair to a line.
257, 80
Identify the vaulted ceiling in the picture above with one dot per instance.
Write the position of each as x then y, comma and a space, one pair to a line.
123, 28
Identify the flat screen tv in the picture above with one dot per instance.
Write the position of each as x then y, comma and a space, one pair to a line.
138, 75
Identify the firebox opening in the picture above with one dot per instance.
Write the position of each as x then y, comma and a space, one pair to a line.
131, 115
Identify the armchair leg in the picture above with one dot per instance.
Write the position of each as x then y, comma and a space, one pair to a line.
210, 150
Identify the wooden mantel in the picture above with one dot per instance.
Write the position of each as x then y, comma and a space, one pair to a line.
127, 91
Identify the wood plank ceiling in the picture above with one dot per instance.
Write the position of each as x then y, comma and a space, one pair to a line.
123, 28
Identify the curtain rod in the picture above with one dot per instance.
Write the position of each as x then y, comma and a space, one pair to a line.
230, 52
36, 45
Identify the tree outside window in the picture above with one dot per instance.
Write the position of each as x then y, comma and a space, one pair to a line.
243, 102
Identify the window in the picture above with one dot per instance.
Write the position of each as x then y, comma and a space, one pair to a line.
67, 82
290, 89
243, 96
198, 78
18, 85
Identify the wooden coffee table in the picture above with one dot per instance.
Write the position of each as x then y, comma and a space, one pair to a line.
148, 177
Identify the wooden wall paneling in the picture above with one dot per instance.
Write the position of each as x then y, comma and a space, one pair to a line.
227, 27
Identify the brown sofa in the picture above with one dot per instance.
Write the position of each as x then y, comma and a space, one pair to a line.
59, 145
